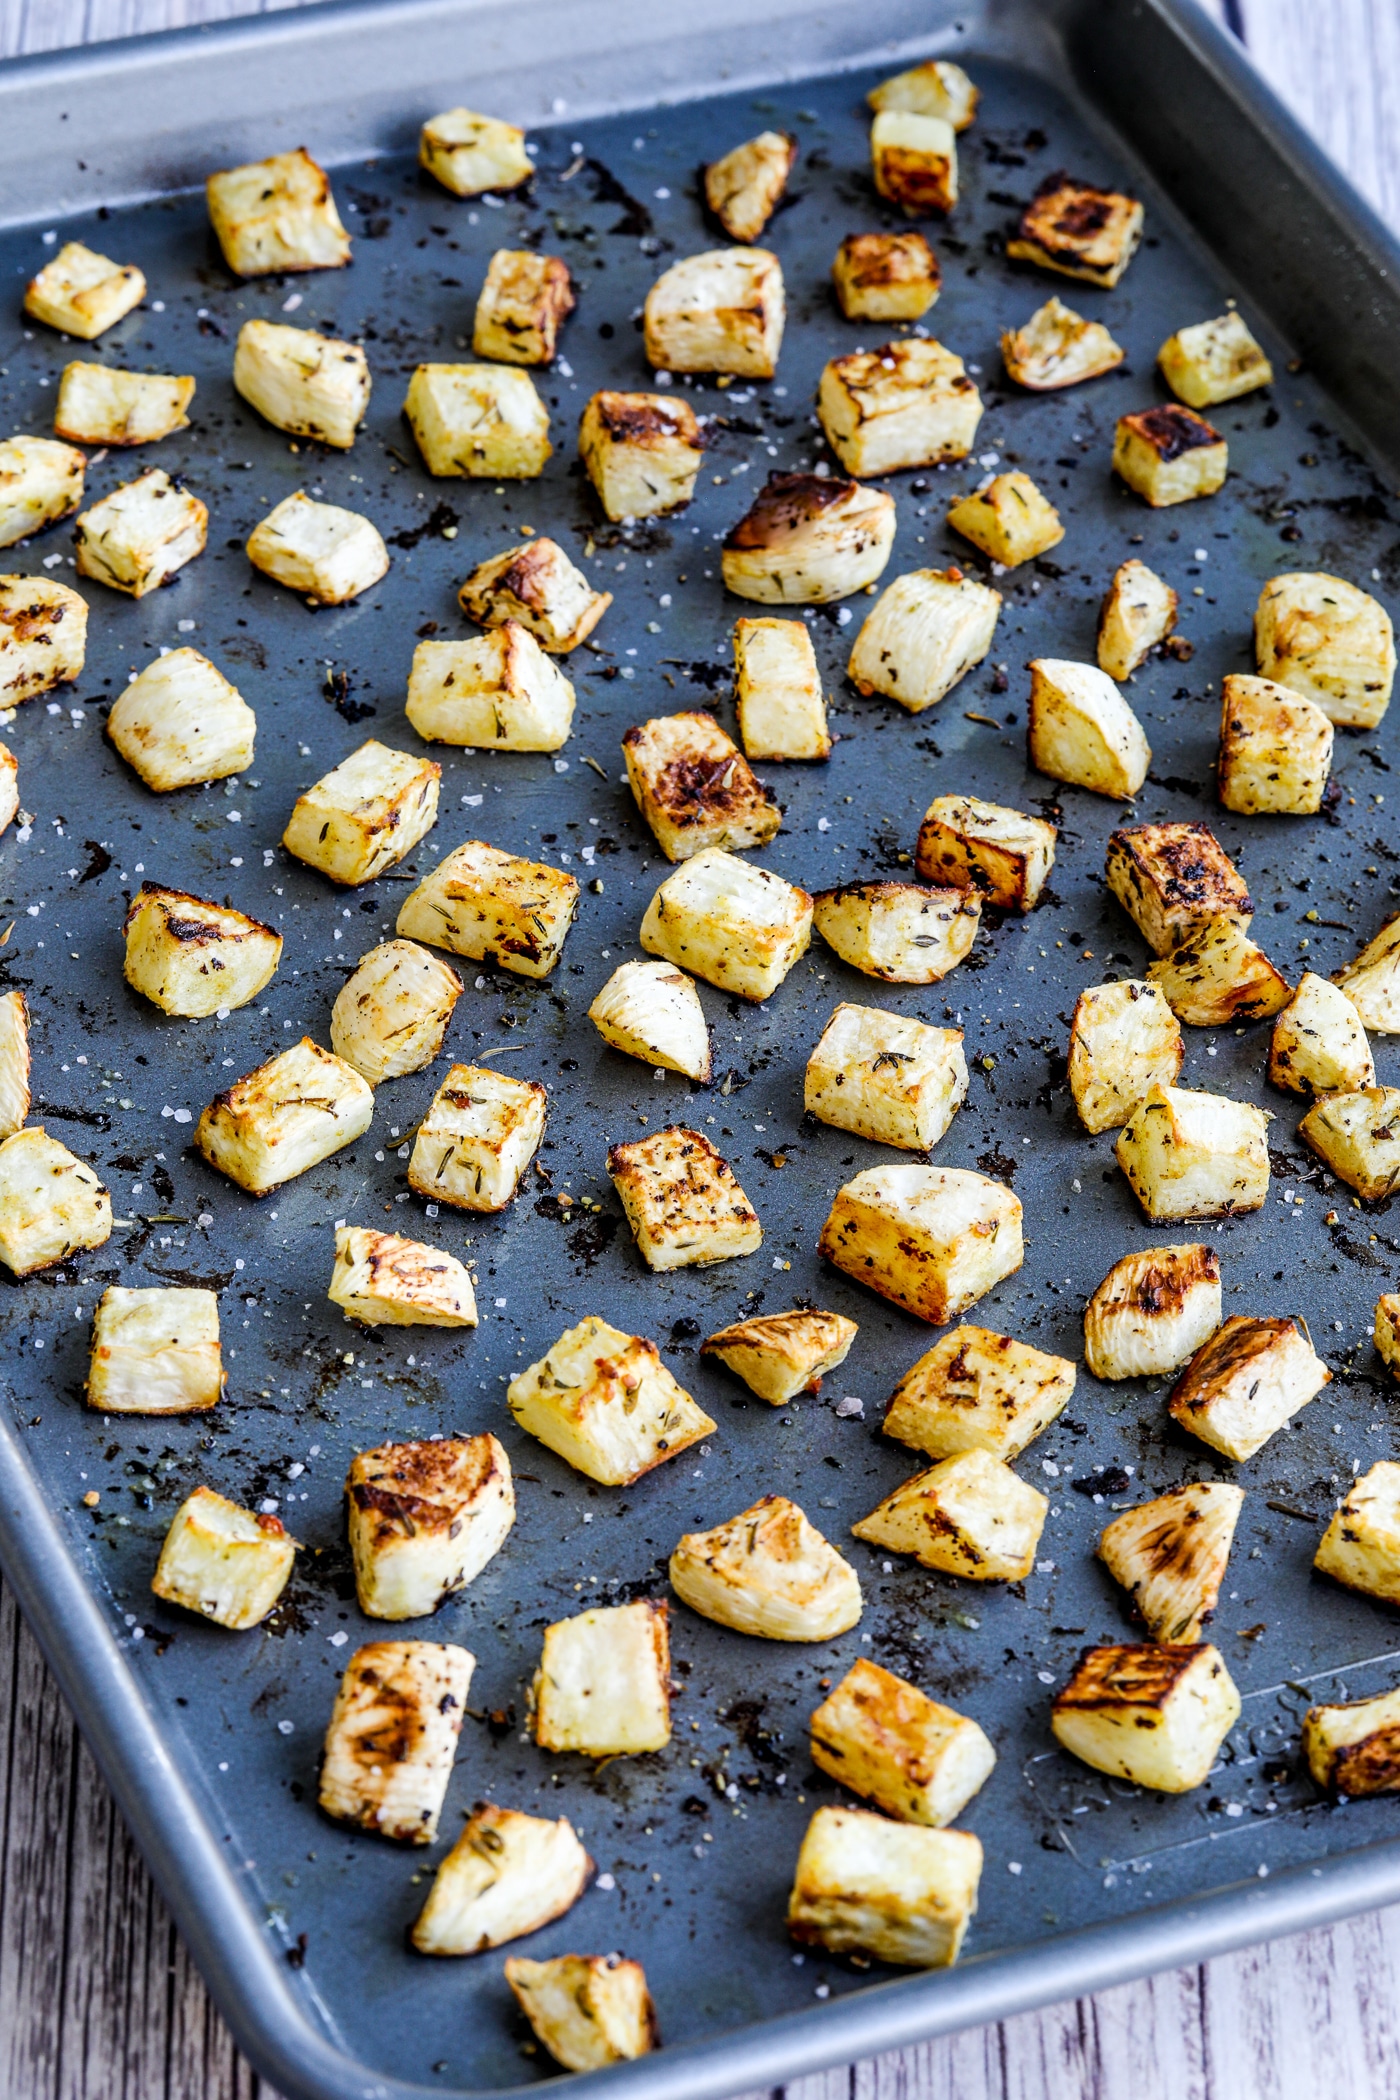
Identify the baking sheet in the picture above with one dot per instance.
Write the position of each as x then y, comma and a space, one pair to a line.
695, 1845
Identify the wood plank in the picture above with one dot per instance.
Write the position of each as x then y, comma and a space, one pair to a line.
98, 1998
42, 25
1337, 66
35, 1851
113, 2024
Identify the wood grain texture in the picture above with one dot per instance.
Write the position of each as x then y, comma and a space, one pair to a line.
1336, 63
98, 1999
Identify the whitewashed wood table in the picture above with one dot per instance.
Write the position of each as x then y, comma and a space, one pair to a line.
98, 1999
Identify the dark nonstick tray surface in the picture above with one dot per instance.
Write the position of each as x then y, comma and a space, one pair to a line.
695, 1845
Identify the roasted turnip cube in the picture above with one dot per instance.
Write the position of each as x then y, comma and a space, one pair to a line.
605, 1402
978, 1391
1080, 729
1154, 1715
524, 303
682, 1201
1329, 641
1009, 520
307, 384
284, 1118
886, 276
539, 587
1170, 1555
1319, 1045
1137, 615
223, 1562
587, 2010
393, 1737
907, 404
779, 1355
478, 420
1386, 1331
390, 1017
695, 788
493, 907
497, 692
882, 1737
277, 214
927, 631
782, 712
180, 722
642, 452
739, 927
40, 482
135, 539
424, 1519
1173, 881
155, 1352
83, 293
898, 931
652, 1011
383, 1280
603, 1684
1169, 455
1078, 230
1355, 1749
51, 1204
1194, 1155
479, 1134
1242, 1385
1358, 1135
744, 187
43, 637
914, 160
1058, 347
889, 1891
328, 554
9, 787
100, 405
719, 312
933, 1239
1214, 361
969, 1515
937, 88
507, 1875
1372, 981
366, 815
808, 538
768, 1572
470, 154
14, 1062
1275, 750
1124, 1040
1219, 975
193, 958
967, 844
1153, 1311
886, 1076
1361, 1545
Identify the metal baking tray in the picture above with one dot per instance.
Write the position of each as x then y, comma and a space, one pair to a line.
210, 1741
